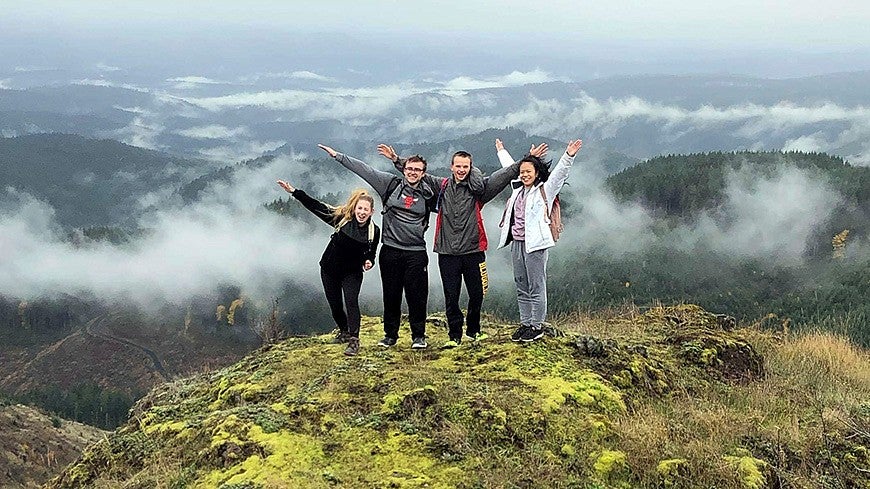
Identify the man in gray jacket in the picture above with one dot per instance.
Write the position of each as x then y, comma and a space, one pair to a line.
460, 236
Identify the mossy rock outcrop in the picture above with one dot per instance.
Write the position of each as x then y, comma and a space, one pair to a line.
299, 414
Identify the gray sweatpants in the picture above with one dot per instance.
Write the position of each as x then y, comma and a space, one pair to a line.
530, 276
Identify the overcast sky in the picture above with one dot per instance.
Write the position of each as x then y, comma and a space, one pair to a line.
766, 38
837, 23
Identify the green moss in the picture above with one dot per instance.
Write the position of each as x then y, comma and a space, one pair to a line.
672, 471
749, 470
301, 414
290, 458
609, 465
589, 391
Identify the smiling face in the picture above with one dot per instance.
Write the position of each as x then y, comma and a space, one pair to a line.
414, 171
362, 211
460, 167
528, 173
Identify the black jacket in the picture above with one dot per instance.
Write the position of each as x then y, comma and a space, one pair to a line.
349, 247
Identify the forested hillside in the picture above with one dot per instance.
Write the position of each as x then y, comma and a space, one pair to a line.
88, 181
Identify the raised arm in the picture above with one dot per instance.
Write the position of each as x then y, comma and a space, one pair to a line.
432, 181
495, 183
379, 180
505, 158
318, 208
560, 172
389, 153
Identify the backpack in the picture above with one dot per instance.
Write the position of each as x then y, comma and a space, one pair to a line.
555, 214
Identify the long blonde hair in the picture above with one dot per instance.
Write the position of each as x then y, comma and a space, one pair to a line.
344, 213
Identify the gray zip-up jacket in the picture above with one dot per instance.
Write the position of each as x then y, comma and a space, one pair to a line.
459, 226
404, 214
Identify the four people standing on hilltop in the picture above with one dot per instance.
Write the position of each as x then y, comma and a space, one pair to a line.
460, 237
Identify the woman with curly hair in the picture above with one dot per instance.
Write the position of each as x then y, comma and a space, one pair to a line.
351, 250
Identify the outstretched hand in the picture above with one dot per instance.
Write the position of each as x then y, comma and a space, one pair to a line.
498, 144
539, 151
286, 186
329, 150
573, 147
388, 152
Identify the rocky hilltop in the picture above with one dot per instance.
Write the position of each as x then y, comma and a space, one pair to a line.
669, 397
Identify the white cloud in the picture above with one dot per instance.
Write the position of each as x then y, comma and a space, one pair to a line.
200, 80
140, 132
807, 144
106, 83
31, 69
296, 75
214, 131
190, 251
767, 217
513, 79
193, 82
107, 68
136, 110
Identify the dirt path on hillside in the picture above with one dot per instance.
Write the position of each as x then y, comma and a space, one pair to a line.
92, 328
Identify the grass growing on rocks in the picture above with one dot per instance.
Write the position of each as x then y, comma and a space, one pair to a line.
672, 397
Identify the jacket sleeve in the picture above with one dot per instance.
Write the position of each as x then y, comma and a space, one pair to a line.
557, 178
379, 180
476, 182
373, 247
318, 208
495, 183
505, 158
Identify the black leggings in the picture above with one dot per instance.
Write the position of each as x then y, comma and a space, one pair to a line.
349, 286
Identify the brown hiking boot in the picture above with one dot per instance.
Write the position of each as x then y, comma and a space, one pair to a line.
352, 347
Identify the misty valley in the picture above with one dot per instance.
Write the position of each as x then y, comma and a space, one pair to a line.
145, 245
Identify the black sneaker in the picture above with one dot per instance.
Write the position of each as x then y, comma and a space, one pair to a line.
387, 342
419, 343
532, 334
518, 334
352, 347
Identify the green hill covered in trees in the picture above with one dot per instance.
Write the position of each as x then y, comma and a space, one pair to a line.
88, 181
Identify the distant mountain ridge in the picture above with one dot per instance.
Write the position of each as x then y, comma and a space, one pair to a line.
641, 116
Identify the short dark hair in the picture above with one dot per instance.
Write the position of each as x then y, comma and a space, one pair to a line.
415, 158
461, 154
542, 168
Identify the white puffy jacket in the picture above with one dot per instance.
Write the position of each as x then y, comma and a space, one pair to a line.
538, 236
